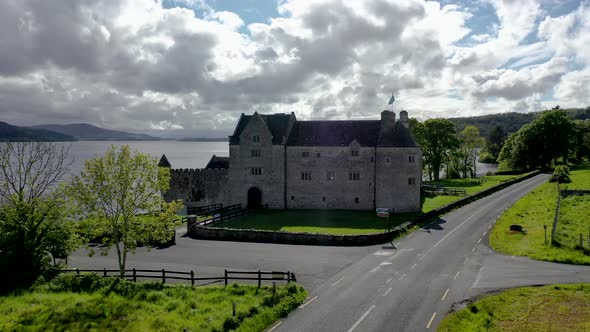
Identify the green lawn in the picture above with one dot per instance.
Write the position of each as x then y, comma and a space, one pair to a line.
550, 308
109, 304
318, 221
537, 209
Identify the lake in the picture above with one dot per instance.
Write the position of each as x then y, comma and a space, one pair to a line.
179, 154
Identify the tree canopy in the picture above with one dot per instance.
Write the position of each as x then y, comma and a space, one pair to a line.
437, 138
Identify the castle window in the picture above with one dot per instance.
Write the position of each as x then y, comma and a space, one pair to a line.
306, 176
330, 175
356, 200
305, 154
256, 139
256, 171
355, 153
387, 160
412, 159
411, 181
318, 155
372, 159
323, 199
255, 153
292, 198
354, 176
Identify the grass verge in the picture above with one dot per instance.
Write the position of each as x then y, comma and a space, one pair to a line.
89, 302
549, 308
537, 209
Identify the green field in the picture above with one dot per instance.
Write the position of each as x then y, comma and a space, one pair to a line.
561, 308
110, 304
318, 221
537, 209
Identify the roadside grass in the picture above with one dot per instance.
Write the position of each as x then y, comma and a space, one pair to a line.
537, 209
89, 302
471, 186
549, 308
340, 222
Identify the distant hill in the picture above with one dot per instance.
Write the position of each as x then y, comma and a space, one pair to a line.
204, 139
10, 132
88, 132
511, 122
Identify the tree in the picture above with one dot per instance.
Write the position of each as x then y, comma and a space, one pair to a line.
34, 214
495, 141
582, 141
113, 190
471, 143
437, 138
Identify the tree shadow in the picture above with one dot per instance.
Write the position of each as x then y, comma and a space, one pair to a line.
434, 225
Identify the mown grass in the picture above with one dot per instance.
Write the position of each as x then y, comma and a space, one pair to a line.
537, 209
318, 221
85, 303
549, 308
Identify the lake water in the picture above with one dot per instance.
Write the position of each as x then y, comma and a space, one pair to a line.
179, 154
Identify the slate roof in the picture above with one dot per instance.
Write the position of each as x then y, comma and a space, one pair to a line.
277, 123
399, 137
218, 162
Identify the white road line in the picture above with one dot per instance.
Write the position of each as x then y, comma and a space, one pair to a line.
478, 241
490, 226
484, 233
274, 327
308, 302
445, 295
388, 280
409, 236
472, 250
456, 275
375, 269
465, 262
413, 266
387, 291
430, 321
337, 282
361, 319
403, 276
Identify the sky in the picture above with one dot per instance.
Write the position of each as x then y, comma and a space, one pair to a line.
191, 67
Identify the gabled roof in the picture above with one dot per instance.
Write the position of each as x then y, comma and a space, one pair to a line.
218, 162
164, 162
400, 136
334, 133
278, 124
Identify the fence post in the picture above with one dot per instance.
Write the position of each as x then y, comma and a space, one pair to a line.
288, 277
225, 277
134, 275
233, 309
104, 274
259, 278
192, 278
77, 271
581, 241
163, 276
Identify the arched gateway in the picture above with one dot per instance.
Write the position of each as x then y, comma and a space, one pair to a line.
254, 198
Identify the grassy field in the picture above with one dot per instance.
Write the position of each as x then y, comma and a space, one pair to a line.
109, 304
550, 308
537, 209
318, 221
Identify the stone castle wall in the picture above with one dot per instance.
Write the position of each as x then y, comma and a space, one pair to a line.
199, 187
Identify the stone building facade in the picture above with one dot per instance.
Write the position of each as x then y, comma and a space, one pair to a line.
289, 164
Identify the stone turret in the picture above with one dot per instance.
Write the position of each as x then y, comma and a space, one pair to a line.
387, 120
403, 118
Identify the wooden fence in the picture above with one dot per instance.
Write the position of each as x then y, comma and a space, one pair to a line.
203, 209
164, 275
227, 214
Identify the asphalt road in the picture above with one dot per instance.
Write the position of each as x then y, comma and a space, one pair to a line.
375, 288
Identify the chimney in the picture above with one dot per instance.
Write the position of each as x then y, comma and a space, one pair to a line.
387, 120
403, 118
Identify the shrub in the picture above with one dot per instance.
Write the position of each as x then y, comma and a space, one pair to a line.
561, 174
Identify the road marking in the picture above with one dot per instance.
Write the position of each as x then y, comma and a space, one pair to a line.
387, 291
383, 253
409, 236
388, 280
403, 275
456, 275
472, 250
478, 241
361, 319
274, 327
375, 269
430, 321
337, 282
445, 295
308, 302
484, 233
465, 262
490, 226
413, 266
385, 263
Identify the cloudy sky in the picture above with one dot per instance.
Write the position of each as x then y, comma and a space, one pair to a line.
190, 67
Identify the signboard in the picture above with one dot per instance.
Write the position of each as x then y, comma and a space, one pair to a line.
382, 212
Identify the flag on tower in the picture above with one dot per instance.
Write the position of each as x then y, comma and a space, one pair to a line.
391, 100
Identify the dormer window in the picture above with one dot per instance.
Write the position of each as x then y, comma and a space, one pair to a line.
256, 139
354, 152
411, 159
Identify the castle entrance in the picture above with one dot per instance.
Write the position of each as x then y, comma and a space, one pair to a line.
254, 198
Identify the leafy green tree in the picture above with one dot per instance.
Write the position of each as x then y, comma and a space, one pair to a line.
471, 144
113, 190
437, 138
582, 140
33, 213
495, 141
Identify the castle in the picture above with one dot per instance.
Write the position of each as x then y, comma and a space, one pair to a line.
278, 160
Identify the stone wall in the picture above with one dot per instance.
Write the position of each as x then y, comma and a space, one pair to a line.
198, 187
394, 169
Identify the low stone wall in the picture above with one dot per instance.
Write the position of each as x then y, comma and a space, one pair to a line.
568, 192
250, 235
